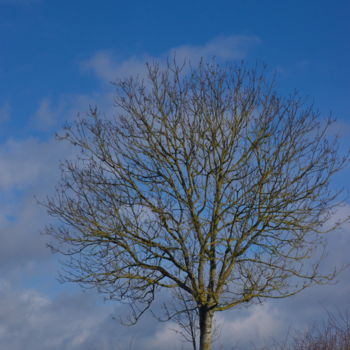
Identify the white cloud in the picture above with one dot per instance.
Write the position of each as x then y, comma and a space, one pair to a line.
107, 68
27, 162
163, 337
32, 320
225, 48
256, 325
28, 167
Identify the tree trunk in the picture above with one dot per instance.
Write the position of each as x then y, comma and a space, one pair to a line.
205, 326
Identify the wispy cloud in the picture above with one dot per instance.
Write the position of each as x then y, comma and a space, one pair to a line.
45, 117
224, 48
52, 113
5, 111
107, 67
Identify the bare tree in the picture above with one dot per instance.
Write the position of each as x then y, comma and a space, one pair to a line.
332, 334
183, 310
206, 182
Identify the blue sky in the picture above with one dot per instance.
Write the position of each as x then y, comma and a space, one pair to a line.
57, 57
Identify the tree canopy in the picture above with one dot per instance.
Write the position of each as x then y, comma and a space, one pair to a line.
205, 181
